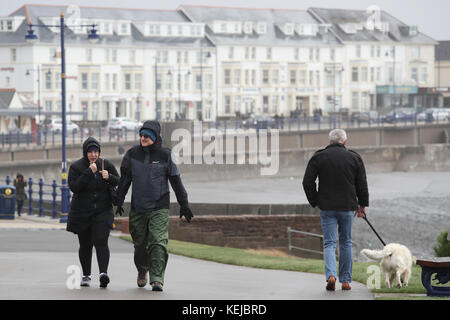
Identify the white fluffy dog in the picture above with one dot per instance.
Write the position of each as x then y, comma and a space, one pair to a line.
396, 261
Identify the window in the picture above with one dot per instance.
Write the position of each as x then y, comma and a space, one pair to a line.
158, 81
114, 83
13, 54
302, 77
311, 54
48, 106
423, 75
168, 110
364, 101
137, 81
332, 54
231, 53
94, 81
178, 57
237, 103
414, 75
107, 55
127, 81
169, 30
107, 85
354, 74
317, 54
415, 52
265, 104
253, 77
296, 54
227, 104
329, 79
274, 104
378, 74
247, 53
355, 101
372, 74
169, 81
208, 81
114, 55
84, 81
95, 110
372, 51
186, 57
269, 54
364, 74
265, 76
123, 28
198, 82
293, 78
227, 77
378, 51
311, 78
58, 80
318, 78
247, 77
253, 53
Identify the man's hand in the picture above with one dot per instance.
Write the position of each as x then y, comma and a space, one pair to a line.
187, 213
119, 211
361, 212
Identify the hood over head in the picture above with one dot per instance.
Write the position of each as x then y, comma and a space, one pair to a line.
155, 127
89, 142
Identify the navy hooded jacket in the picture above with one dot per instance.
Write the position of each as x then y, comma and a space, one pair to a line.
149, 169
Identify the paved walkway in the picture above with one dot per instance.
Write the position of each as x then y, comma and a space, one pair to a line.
35, 254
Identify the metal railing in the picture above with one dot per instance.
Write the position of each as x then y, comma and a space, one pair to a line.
314, 235
49, 196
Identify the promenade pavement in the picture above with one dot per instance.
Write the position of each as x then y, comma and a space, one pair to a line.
36, 252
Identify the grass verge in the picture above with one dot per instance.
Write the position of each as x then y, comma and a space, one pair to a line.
267, 259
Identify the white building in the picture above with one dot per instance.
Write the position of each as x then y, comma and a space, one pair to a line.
147, 64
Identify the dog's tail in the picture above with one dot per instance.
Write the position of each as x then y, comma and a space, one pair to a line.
375, 254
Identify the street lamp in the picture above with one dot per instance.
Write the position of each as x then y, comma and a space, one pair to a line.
32, 38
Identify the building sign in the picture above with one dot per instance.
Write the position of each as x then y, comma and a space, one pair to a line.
397, 90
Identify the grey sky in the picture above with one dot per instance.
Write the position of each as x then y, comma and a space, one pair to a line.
430, 16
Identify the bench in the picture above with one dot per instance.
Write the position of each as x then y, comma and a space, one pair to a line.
440, 267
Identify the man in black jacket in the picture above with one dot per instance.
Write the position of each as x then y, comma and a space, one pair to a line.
149, 167
342, 194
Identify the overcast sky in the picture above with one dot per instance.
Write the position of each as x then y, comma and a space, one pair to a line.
431, 16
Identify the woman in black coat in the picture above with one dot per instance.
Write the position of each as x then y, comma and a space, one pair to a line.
21, 195
91, 216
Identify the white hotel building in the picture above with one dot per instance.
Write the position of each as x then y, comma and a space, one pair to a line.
200, 62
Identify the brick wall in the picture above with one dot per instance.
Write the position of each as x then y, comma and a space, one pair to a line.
245, 231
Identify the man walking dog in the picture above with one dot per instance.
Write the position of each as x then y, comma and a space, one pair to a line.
149, 167
342, 190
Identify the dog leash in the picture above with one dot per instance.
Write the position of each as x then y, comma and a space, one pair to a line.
365, 218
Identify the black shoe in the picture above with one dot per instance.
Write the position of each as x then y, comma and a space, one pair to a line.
156, 286
104, 280
142, 279
85, 281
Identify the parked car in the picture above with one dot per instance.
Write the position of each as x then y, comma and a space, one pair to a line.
399, 115
434, 114
123, 124
369, 116
55, 125
259, 122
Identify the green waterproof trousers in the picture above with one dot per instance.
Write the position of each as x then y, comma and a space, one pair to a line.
150, 233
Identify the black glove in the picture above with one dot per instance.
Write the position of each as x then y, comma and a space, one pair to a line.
119, 211
187, 213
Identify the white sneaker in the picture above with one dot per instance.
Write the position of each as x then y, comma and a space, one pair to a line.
86, 281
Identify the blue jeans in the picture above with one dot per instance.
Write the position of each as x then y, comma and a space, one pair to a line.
343, 220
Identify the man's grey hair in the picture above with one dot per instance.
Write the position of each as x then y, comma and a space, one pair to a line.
337, 136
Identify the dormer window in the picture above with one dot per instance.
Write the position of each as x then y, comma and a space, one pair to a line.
261, 28
248, 27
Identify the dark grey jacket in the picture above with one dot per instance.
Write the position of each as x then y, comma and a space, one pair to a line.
150, 169
342, 179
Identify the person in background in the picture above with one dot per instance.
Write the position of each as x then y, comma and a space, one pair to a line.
91, 215
342, 194
21, 196
150, 167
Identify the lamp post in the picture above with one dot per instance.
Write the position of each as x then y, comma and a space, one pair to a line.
328, 70
156, 87
32, 38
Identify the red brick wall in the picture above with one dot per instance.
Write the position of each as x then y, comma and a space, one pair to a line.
245, 231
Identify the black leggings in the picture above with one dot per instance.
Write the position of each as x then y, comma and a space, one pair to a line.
96, 235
